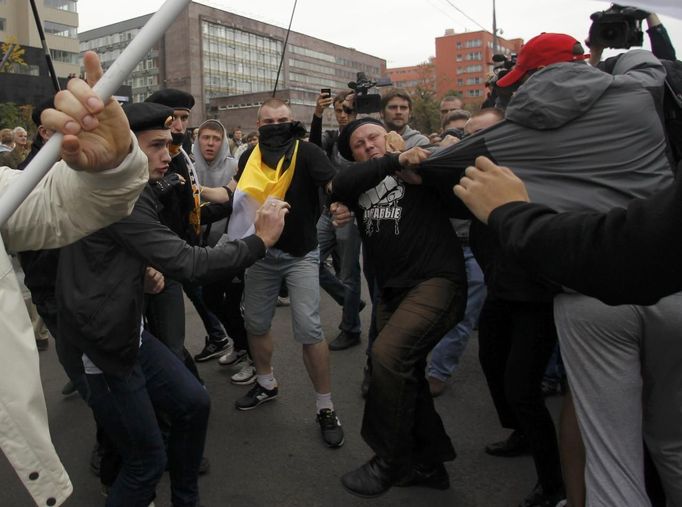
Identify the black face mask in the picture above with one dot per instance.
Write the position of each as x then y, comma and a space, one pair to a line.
178, 138
277, 140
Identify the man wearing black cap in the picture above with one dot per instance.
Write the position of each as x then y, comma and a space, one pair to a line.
180, 196
422, 283
129, 373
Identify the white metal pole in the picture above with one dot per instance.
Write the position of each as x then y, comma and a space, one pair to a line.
105, 88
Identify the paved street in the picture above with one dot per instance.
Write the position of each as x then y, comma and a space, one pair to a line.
273, 456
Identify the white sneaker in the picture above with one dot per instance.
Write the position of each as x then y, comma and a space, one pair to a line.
245, 376
232, 357
283, 301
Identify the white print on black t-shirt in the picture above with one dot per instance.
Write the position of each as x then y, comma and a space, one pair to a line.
381, 203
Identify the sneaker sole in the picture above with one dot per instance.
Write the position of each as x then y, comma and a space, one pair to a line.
231, 363
210, 356
335, 446
260, 402
244, 382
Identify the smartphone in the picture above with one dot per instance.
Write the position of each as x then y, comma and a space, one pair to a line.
326, 91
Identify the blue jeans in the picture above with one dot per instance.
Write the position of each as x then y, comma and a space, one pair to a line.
125, 407
346, 291
211, 322
445, 355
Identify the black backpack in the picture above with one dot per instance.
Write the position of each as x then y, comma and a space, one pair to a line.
672, 108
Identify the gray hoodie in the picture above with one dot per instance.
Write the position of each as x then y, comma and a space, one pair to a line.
221, 169
216, 173
413, 138
579, 138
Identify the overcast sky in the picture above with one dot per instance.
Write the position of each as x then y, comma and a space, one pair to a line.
400, 31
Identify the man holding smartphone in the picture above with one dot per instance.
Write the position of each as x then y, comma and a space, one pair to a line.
345, 240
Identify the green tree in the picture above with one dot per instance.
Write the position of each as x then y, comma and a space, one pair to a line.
10, 115
425, 115
11, 55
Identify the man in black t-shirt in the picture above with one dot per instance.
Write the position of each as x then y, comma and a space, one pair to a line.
421, 281
294, 259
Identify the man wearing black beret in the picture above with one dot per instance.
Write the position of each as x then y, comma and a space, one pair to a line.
419, 269
130, 374
182, 213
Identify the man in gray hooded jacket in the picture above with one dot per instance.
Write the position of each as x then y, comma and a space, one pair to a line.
569, 135
396, 107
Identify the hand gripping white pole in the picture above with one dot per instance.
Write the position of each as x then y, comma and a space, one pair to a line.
105, 88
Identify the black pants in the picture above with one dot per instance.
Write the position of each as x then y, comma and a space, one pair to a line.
223, 298
516, 340
400, 422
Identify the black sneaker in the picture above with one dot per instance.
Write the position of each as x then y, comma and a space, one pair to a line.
538, 498
68, 389
257, 395
332, 432
213, 348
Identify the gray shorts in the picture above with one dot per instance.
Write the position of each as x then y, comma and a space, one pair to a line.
263, 280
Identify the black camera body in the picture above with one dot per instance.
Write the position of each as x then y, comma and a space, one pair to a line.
617, 27
366, 102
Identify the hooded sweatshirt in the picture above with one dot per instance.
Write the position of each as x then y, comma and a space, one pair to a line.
413, 138
580, 139
216, 173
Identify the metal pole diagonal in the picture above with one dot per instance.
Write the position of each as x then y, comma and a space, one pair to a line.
105, 88
46, 49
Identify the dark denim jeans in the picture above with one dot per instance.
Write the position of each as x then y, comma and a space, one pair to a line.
346, 291
516, 339
400, 422
211, 322
125, 408
165, 313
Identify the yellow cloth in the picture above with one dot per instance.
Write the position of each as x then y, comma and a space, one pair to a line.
260, 181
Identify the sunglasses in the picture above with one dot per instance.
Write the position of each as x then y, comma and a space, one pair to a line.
348, 110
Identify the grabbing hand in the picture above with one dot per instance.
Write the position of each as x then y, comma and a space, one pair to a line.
270, 220
154, 282
168, 183
96, 136
488, 186
341, 215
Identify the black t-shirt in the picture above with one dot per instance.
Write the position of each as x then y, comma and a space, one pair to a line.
405, 228
313, 170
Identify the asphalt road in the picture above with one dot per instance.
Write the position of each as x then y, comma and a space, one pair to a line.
273, 456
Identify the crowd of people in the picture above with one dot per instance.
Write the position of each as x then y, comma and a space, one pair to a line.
447, 243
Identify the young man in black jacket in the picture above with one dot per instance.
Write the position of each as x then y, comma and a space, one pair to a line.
422, 284
130, 374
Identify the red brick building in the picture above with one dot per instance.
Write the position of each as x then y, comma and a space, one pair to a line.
408, 78
463, 62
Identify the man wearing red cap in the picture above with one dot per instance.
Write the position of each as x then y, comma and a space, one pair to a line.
568, 134
542, 50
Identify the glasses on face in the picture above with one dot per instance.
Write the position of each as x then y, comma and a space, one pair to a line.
348, 110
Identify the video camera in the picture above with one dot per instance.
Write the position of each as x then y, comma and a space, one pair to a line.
366, 102
502, 65
618, 27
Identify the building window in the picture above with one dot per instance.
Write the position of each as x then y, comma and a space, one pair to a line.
65, 56
474, 93
60, 30
62, 5
3, 22
237, 62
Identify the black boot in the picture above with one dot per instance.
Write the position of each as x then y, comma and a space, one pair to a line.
515, 445
373, 478
345, 340
429, 476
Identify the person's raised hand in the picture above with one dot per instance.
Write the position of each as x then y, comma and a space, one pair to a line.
488, 186
323, 102
270, 220
96, 135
